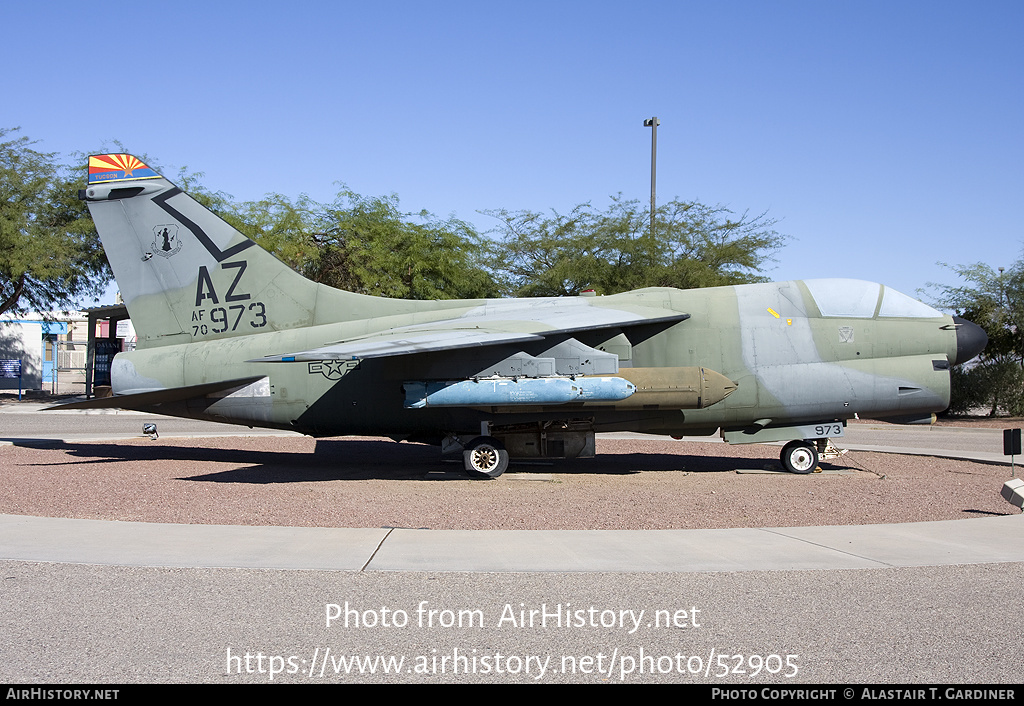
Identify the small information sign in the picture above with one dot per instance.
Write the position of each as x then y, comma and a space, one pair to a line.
10, 368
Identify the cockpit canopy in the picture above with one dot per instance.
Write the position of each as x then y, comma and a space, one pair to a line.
857, 299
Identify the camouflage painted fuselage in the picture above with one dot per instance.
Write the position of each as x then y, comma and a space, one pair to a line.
227, 332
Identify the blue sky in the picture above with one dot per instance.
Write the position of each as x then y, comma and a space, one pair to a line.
884, 136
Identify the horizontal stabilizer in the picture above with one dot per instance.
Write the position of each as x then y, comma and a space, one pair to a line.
142, 400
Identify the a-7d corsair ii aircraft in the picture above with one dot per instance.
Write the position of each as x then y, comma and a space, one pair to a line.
228, 333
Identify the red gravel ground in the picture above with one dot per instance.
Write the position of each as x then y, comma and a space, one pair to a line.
632, 484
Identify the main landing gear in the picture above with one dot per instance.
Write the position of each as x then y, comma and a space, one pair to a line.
485, 457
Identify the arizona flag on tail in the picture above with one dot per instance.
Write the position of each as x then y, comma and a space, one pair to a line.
118, 167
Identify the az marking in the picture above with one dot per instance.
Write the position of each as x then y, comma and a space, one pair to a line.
206, 290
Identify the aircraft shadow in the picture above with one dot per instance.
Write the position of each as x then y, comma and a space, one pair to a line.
335, 459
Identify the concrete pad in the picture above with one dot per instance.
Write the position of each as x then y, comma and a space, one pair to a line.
152, 544
781, 472
976, 541
603, 550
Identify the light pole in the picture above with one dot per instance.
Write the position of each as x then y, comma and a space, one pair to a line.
653, 123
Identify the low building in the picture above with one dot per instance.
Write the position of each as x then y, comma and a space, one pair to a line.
63, 352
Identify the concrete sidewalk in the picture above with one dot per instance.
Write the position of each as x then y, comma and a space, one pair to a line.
984, 540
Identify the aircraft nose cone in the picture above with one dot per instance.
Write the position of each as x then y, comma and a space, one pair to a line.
971, 340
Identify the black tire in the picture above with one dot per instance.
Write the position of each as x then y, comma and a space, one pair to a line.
485, 457
799, 457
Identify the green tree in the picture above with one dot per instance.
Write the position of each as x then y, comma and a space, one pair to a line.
995, 301
368, 245
50, 254
694, 245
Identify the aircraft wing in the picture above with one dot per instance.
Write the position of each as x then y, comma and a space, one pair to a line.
492, 324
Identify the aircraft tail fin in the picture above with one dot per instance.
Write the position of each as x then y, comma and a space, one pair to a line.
187, 275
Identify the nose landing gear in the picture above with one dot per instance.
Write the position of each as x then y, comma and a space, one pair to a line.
800, 456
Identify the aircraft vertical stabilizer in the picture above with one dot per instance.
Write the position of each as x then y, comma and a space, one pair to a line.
187, 275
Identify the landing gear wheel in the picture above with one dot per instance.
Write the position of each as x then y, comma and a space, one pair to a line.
485, 457
800, 457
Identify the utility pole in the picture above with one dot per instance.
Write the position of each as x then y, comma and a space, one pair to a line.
653, 123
